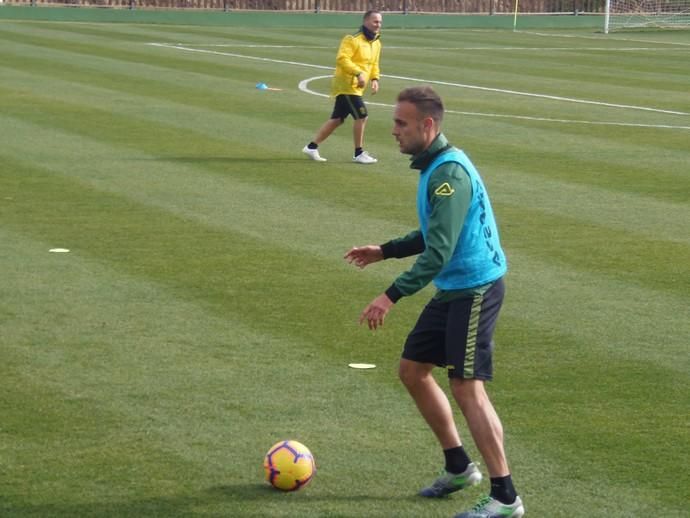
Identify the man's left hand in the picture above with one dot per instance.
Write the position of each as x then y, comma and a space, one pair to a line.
375, 313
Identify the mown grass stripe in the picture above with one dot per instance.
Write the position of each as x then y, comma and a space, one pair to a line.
590, 162
616, 260
242, 219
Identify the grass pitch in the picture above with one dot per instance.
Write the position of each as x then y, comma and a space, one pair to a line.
204, 311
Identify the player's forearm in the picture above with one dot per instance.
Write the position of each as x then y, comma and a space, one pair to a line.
348, 66
344, 58
375, 72
426, 267
411, 244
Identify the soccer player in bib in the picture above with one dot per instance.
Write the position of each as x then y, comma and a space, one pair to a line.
458, 249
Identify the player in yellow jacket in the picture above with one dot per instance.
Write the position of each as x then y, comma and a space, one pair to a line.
357, 64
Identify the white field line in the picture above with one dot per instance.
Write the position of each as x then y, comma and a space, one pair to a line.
248, 46
407, 49
607, 38
304, 86
457, 85
540, 49
234, 55
541, 96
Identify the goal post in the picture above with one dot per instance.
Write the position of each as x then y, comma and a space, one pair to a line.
638, 14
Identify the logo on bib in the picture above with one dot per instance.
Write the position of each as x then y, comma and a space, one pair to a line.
444, 190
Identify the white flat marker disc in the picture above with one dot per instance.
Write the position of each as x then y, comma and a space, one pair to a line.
59, 250
362, 365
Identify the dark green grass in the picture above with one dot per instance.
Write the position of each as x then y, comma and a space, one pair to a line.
205, 312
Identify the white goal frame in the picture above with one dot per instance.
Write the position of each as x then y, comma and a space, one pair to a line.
638, 14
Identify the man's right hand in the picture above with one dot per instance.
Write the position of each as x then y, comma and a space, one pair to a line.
361, 256
361, 80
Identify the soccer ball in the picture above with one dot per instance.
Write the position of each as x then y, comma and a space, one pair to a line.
289, 465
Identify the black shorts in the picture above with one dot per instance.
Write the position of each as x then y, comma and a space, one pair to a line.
349, 105
458, 334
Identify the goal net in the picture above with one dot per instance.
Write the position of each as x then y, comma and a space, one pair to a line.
635, 14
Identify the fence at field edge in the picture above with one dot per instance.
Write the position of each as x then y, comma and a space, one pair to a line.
394, 6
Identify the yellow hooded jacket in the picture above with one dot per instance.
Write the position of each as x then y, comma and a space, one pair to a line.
356, 54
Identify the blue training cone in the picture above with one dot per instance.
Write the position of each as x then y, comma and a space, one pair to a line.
261, 86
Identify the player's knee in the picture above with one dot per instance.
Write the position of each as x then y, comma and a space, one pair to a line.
468, 392
412, 373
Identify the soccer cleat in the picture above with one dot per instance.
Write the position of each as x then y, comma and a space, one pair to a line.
448, 483
313, 154
364, 158
489, 507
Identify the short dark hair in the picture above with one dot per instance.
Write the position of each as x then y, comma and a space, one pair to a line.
425, 98
370, 12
